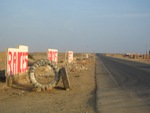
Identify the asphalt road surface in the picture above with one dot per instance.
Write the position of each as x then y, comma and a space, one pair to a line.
122, 86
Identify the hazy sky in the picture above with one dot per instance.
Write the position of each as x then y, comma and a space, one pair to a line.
77, 25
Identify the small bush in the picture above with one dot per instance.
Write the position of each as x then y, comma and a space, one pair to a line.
30, 56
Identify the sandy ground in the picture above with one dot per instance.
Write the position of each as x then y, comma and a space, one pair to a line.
22, 97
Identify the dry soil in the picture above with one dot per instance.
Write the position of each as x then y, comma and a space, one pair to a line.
23, 98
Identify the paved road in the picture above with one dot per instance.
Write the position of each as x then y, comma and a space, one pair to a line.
122, 86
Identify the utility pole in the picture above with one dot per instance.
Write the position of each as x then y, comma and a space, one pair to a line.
146, 51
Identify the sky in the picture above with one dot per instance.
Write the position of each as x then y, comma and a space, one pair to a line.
102, 26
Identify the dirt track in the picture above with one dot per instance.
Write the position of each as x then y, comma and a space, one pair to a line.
21, 98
